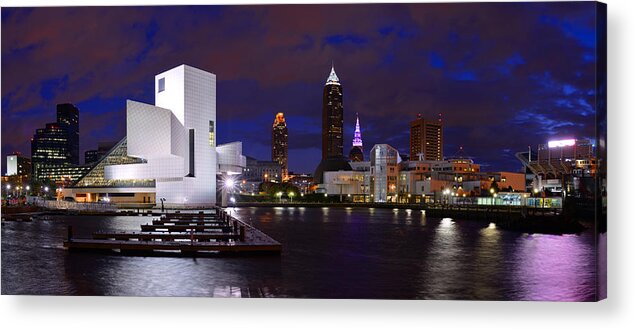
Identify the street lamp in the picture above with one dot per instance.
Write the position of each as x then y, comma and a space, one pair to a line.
279, 195
162, 204
291, 194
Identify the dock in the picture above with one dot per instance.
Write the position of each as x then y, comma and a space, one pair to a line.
194, 234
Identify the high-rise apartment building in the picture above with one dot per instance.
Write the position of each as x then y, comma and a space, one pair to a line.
425, 139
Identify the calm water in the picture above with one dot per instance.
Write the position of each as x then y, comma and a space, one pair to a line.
328, 253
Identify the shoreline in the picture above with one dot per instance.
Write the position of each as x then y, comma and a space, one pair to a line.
514, 218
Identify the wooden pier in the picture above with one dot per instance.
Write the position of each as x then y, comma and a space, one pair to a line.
191, 234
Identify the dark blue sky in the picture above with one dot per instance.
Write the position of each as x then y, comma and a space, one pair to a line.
503, 75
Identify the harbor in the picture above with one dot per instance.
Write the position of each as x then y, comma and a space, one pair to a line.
191, 234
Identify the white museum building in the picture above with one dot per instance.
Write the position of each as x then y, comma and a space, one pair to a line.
169, 152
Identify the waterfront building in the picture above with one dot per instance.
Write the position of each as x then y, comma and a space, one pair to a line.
332, 117
384, 160
344, 183
57, 144
568, 164
425, 139
63, 175
356, 152
231, 162
169, 152
303, 182
279, 144
262, 171
18, 165
386, 178
92, 156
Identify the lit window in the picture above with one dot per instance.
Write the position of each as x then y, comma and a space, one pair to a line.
161, 84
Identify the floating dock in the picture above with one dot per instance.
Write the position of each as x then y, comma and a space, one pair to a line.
191, 234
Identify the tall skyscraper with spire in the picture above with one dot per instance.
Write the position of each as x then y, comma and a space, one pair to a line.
279, 144
356, 152
332, 158
332, 117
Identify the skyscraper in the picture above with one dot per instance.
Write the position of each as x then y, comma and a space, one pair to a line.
92, 156
332, 117
425, 139
279, 144
356, 152
68, 116
57, 144
332, 158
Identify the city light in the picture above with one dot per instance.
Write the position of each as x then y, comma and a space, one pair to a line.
8, 187
229, 183
45, 188
232, 200
561, 143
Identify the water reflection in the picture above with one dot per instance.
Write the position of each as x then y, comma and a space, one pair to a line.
445, 256
328, 253
554, 268
486, 267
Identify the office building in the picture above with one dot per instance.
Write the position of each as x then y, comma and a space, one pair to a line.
332, 117
425, 139
68, 117
262, 171
332, 158
92, 156
356, 152
279, 144
18, 165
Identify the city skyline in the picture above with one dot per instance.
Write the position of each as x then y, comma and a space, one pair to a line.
414, 61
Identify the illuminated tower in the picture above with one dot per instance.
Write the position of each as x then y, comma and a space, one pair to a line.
279, 144
332, 118
356, 152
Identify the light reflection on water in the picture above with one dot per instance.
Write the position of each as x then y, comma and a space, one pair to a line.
328, 253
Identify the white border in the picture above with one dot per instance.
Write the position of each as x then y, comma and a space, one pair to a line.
616, 312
